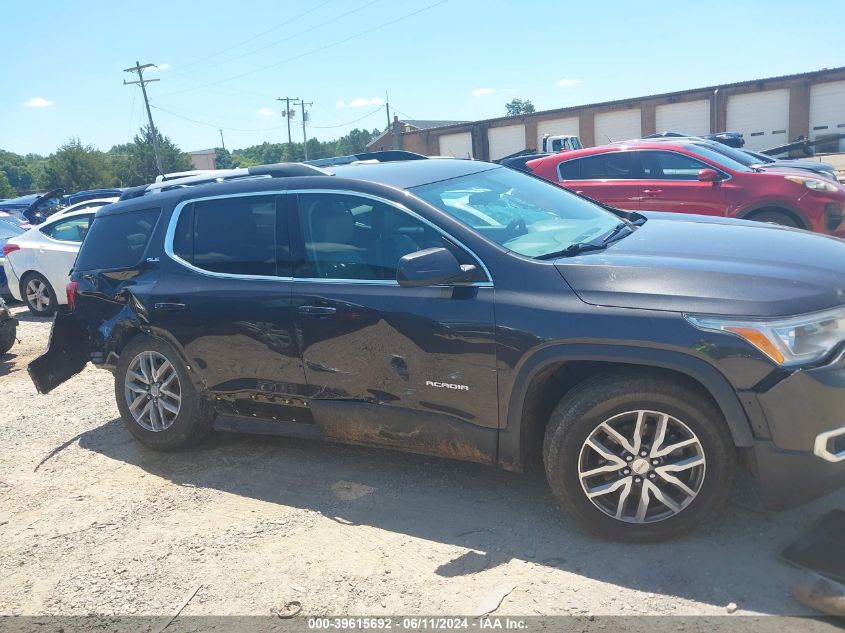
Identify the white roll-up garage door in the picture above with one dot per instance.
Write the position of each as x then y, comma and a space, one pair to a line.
761, 117
506, 140
688, 117
458, 145
827, 110
556, 127
617, 126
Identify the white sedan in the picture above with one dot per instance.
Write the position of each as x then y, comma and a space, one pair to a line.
38, 263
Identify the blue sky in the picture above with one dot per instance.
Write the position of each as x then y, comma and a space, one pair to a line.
224, 63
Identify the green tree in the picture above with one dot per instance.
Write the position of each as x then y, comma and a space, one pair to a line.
134, 163
6, 190
519, 106
75, 166
21, 171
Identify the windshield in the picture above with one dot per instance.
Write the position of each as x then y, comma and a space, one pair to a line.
724, 156
522, 213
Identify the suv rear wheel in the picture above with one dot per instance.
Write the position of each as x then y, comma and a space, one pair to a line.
638, 458
156, 396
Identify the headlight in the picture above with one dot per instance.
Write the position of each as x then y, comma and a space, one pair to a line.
814, 183
789, 341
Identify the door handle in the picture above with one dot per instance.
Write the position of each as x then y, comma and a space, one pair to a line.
169, 307
316, 311
653, 191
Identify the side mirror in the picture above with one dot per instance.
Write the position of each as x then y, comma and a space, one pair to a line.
709, 175
432, 267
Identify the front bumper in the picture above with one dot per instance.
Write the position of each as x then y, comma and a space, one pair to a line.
13, 283
804, 457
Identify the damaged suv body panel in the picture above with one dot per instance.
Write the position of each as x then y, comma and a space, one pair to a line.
281, 297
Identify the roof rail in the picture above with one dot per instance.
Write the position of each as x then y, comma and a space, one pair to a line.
386, 156
277, 170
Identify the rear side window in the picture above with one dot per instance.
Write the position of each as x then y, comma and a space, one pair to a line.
607, 166
117, 241
71, 230
235, 236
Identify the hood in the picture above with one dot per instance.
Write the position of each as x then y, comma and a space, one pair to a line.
688, 263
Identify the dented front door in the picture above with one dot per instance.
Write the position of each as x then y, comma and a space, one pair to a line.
412, 368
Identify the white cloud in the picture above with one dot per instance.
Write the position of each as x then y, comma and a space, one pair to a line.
360, 102
339, 104
566, 83
483, 92
38, 102
265, 112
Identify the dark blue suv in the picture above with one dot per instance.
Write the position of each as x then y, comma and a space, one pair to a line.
466, 310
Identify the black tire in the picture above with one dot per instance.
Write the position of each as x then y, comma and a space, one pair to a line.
194, 417
776, 217
7, 339
601, 398
52, 303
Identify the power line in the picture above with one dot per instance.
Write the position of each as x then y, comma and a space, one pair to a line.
139, 69
331, 127
290, 37
214, 125
316, 50
255, 37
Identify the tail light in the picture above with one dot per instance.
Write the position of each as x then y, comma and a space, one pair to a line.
8, 247
71, 289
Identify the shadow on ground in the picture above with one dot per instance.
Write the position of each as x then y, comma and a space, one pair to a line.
500, 516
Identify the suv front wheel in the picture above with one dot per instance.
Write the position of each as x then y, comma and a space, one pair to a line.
638, 458
156, 396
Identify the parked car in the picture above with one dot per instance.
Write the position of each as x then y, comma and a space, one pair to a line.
641, 356
8, 230
520, 162
93, 205
692, 176
731, 139
8, 328
90, 194
817, 167
34, 208
38, 262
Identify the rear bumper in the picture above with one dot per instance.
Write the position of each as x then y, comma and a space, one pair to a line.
805, 456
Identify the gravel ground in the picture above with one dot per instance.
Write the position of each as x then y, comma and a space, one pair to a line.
92, 522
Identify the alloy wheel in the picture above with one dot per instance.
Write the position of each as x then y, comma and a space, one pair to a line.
37, 295
641, 466
152, 390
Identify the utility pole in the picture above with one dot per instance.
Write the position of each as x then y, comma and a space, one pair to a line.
138, 68
288, 113
304, 136
387, 108
222, 142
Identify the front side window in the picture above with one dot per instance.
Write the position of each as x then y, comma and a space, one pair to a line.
236, 235
352, 237
71, 230
527, 215
657, 165
607, 166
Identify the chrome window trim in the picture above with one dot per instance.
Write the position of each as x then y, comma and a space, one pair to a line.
174, 220
726, 176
